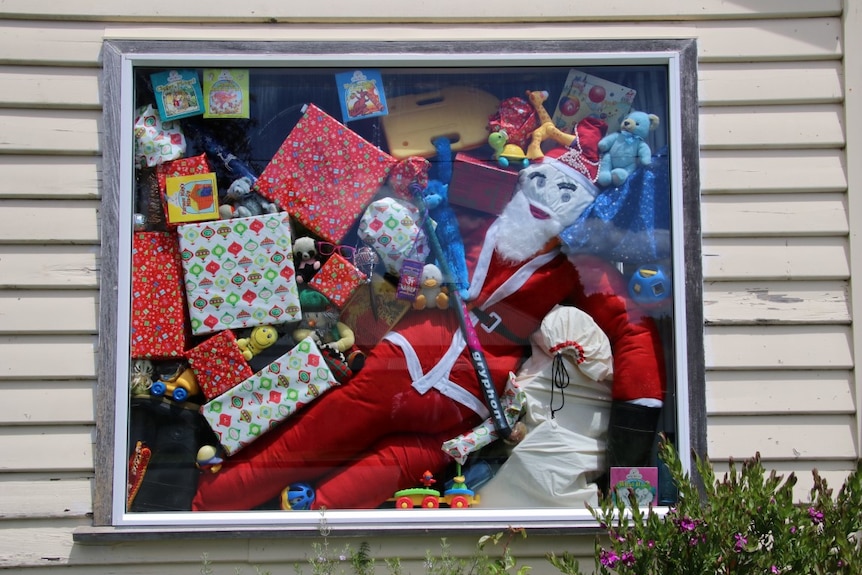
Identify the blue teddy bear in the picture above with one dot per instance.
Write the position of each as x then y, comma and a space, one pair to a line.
622, 152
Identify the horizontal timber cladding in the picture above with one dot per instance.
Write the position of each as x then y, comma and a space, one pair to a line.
446, 10
776, 262
34, 42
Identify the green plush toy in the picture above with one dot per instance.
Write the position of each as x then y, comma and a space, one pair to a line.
622, 152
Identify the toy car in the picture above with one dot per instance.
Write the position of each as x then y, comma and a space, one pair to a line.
179, 388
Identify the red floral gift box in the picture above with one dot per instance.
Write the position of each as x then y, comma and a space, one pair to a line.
337, 279
324, 175
218, 364
158, 316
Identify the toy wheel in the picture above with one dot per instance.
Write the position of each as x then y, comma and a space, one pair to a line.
180, 394
404, 503
158, 388
459, 502
430, 502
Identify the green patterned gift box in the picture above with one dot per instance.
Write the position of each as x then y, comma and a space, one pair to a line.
239, 273
247, 411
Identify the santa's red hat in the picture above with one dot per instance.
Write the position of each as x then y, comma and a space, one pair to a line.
580, 160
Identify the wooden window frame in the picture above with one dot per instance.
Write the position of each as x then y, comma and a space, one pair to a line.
120, 56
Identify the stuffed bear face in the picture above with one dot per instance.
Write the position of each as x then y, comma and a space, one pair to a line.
639, 123
304, 249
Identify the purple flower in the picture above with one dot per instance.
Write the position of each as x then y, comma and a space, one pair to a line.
608, 558
740, 543
774, 569
628, 559
686, 524
793, 529
816, 516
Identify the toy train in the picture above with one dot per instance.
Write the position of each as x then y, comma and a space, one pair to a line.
458, 497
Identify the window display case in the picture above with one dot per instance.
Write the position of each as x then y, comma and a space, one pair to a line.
411, 284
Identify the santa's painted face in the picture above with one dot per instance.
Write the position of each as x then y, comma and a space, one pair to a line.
554, 194
546, 201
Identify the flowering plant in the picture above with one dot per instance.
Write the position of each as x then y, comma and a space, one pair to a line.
746, 523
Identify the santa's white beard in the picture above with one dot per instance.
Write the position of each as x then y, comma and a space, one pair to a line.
519, 234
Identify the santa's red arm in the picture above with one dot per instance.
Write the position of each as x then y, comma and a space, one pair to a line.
638, 358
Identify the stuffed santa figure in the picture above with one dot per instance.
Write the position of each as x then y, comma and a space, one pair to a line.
361, 442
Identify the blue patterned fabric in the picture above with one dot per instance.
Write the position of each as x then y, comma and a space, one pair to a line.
629, 223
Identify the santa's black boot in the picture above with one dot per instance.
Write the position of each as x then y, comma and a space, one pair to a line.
631, 435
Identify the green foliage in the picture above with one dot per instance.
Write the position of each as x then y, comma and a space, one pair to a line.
480, 563
745, 523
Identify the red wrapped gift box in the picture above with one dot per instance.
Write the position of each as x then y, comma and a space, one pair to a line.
337, 279
481, 184
218, 364
158, 327
324, 175
181, 167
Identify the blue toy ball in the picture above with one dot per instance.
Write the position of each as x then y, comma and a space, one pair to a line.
650, 284
298, 496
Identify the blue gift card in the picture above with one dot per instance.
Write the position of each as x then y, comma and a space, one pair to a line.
362, 94
178, 94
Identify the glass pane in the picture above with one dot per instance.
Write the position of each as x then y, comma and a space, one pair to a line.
372, 288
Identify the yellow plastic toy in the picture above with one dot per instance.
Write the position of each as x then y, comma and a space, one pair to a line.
506, 153
261, 337
459, 114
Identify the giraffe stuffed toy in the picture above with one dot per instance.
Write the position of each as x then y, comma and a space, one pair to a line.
546, 130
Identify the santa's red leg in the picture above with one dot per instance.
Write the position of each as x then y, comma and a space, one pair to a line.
396, 462
330, 433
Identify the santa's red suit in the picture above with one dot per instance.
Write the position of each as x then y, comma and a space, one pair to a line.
361, 442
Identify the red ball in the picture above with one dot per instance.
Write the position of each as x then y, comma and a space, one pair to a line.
597, 94
570, 107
